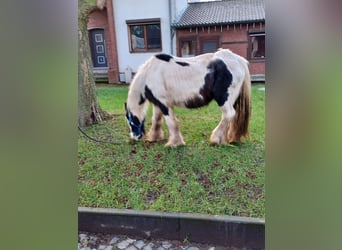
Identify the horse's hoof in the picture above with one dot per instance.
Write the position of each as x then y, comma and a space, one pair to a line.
215, 141
174, 145
154, 137
218, 142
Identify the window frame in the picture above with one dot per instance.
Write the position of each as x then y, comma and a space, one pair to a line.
210, 39
192, 40
144, 23
249, 51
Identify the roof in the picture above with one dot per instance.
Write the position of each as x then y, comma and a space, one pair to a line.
222, 12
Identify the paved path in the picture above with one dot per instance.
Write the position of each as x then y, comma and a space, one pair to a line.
95, 241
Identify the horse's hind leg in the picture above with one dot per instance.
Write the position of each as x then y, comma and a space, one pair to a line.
156, 132
175, 137
219, 134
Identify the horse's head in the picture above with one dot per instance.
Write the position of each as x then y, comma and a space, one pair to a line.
137, 129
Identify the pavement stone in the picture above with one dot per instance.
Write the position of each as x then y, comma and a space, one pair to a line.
98, 241
166, 244
85, 248
139, 244
114, 240
131, 247
149, 246
123, 244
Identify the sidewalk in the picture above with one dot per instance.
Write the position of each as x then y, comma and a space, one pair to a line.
92, 241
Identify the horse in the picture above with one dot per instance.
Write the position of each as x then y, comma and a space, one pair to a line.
192, 82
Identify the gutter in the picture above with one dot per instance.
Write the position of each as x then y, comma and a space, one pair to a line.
194, 25
170, 23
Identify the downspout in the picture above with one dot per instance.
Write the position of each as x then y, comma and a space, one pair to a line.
113, 44
170, 22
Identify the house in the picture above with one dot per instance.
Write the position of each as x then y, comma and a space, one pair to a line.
127, 32
103, 44
235, 24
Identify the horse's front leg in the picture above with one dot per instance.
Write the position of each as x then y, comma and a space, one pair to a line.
175, 137
219, 134
156, 132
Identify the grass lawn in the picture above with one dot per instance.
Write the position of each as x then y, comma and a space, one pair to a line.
196, 178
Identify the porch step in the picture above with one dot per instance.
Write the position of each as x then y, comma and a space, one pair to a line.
258, 78
100, 74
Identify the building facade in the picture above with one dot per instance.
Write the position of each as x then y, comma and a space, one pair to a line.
127, 32
143, 28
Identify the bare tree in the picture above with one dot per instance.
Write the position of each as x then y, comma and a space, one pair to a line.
89, 110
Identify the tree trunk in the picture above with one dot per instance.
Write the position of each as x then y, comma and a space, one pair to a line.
89, 111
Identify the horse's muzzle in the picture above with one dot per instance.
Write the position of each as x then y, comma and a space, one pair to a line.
136, 137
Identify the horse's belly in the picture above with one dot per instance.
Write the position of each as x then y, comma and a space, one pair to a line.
193, 101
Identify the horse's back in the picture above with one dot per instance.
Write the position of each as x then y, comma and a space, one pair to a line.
175, 79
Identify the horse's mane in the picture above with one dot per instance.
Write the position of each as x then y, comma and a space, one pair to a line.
136, 88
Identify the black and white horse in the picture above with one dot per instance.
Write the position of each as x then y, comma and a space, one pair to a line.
167, 81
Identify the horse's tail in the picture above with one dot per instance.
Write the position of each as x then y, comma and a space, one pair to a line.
240, 123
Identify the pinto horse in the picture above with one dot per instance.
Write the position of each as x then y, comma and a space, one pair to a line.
167, 81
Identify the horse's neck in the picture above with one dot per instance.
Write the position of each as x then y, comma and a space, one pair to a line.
133, 105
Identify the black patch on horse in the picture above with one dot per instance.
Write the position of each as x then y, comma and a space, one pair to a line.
205, 92
142, 99
222, 80
183, 64
164, 57
216, 84
155, 101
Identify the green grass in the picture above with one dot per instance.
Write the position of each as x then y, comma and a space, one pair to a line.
195, 178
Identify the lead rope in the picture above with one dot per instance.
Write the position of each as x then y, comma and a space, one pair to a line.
96, 140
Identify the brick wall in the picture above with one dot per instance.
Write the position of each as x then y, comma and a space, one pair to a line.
231, 37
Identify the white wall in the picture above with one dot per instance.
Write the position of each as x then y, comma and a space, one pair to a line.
135, 9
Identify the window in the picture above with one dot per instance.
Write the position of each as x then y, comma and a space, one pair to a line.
209, 45
144, 35
187, 48
257, 46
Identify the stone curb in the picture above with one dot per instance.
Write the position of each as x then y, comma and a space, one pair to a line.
228, 231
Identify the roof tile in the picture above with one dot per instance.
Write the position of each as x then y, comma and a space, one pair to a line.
222, 12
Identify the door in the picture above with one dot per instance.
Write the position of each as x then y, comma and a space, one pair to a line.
98, 48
